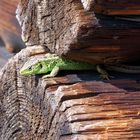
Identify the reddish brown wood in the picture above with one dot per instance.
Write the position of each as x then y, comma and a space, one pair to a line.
113, 7
79, 106
67, 29
72, 106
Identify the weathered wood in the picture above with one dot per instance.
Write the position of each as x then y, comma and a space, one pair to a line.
88, 4
79, 106
4, 56
9, 27
113, 7
66, 107
67, 29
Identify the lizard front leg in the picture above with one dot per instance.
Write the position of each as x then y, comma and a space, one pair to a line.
53, 73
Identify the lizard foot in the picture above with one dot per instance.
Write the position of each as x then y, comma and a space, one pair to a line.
104, 77
53, 73
103, 73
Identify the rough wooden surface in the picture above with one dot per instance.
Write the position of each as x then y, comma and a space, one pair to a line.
4, 56
10, 30
66, 28
70, 106
113, 7
88, 4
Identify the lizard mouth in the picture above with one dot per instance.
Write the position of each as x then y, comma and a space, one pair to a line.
24, 72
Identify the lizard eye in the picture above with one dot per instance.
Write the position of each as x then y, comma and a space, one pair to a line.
30, 68
41, 66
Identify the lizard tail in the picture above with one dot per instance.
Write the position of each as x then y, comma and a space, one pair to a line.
123, 68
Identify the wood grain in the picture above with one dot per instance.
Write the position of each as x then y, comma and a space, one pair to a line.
113, 7
67, 107
69, 30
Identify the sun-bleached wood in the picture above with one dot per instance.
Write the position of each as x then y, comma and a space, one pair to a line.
67, 29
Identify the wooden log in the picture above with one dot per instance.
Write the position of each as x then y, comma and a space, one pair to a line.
67, 107
113, 7
67, 29
79, 106
10, 30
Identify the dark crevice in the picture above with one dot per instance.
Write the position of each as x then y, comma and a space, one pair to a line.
86, 95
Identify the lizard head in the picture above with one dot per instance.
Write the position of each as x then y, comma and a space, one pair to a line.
31, 69
38, 65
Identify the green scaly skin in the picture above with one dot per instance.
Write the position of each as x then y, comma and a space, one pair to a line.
53, 64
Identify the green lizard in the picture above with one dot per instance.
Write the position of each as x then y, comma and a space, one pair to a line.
52, 64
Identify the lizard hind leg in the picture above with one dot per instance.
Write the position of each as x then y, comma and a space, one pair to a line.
103, 73
53, 73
